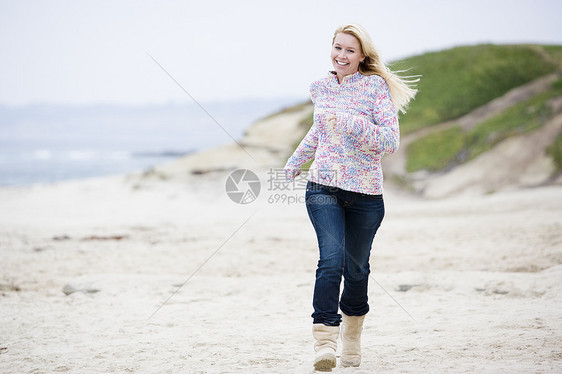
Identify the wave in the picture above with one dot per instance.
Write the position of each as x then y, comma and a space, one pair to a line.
86, 154
48, 165
163, 154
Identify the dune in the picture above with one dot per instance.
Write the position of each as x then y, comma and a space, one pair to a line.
520, 161
160, 272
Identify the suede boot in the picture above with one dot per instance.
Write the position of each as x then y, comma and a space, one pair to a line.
325, 346
351, 340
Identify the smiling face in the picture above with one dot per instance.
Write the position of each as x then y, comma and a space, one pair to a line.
346, 55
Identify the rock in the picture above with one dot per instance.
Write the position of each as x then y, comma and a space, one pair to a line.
61, 238
105, 237
71, 288
405, 287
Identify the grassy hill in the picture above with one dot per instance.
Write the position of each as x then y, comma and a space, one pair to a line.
446, 148
458, 80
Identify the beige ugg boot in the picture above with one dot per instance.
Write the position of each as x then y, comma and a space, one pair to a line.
325, 346
351, 340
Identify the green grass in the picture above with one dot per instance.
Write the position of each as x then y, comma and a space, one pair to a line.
555, 151
554, 51
458, 80
445, 148
518, 119
435, 151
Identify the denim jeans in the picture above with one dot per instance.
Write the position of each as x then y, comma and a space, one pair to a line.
345, 223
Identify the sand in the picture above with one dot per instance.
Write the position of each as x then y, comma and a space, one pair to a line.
163, 273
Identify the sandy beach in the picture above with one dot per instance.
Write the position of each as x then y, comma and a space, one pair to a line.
162, 273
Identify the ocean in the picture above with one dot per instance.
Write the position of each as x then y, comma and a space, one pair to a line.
53, 143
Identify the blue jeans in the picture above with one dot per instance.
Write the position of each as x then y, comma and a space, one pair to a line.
345, 223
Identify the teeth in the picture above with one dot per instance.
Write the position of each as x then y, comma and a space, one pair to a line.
341, 63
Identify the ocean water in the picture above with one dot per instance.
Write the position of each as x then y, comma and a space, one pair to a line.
47, 143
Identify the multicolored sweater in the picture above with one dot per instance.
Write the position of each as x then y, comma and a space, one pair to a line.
348, 154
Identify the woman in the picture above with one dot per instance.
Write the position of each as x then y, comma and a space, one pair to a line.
355, 122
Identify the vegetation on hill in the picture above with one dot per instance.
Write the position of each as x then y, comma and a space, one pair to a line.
446, 148
555, 151
458, 80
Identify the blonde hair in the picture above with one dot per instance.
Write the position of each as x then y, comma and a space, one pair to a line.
402, 89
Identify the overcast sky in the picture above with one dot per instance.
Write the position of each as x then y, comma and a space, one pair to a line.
88, 52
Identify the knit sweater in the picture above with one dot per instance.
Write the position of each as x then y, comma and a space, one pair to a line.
348, 154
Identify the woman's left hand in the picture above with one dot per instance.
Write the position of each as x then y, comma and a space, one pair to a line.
331, 125
331, 120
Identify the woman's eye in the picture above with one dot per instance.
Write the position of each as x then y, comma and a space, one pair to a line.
351, 51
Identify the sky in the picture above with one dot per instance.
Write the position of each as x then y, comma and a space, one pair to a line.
135, 52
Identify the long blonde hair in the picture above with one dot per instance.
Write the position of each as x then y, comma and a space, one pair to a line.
402, 89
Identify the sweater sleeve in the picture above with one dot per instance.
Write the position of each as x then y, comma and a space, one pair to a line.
304, 153
382, 134
306, 150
